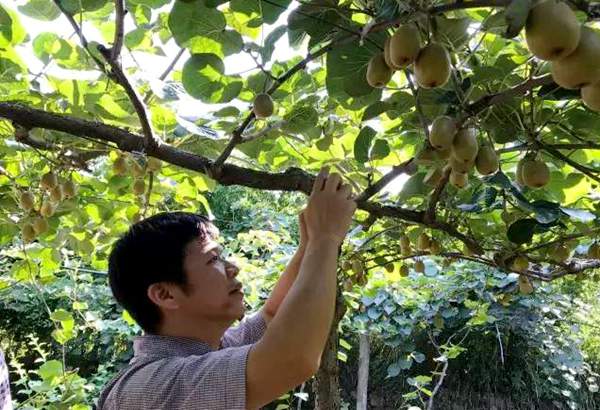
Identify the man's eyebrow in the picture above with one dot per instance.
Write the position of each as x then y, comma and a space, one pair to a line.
217, 248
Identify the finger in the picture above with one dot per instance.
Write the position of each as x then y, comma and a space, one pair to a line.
319, 183
346, 191
333, 181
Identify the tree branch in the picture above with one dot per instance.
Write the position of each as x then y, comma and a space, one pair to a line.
119, 27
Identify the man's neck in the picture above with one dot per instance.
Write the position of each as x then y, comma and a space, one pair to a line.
206, 331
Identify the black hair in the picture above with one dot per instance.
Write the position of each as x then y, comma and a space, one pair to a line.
151, 251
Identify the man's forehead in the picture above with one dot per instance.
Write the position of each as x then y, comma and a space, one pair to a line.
206, 246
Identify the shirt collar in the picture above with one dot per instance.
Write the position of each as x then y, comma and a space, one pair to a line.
168, 346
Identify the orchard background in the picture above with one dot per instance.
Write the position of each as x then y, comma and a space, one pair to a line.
471, 271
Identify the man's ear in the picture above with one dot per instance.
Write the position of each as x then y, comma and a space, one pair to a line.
164, 295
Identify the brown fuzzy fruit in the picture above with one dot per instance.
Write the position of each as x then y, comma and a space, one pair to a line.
594, 251
560, 253
386, 55
139, 187
581, 68
26, 201
28, 233
552, 31
591, 96
459, 180
154, 164
519, 172
47, 209
443, 131
432, 67
520, 264
535, 173
40, 225
137, 170
56, 194
263, 106
69, 189
49, 181
487, 161
404, 271
459, 166
389, 267
357, 267
423, 242
378, 72
120, 165
525, 285
465, 145
435, 248
419, 266
405, 46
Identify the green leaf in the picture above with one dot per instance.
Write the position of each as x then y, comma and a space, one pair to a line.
203, 78
11, 29
270, 11
300, 119
521, 231
381, 149
50, 370
61, 315
154, 4
44, 10
77, 6
362, 144
188, 20
516, 16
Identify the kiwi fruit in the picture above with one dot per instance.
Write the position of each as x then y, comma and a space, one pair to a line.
559, 253
28, 233
435, 247
520, 264
552, 31
139, 186
389, 267
137, 170
525, 285
56, 194
519, 172
404, 46
535, 173
432, 67
69, 189
263, 106
443, 131
26, 201
47, 209
590, 95
458, 179
386, 55
120, 165
486, 161
419, 266
49, 180
40, 225
154, 164
378, 72
459, 166
594, 251
404, 271
423, 242
357, 267
582, 67
465, 145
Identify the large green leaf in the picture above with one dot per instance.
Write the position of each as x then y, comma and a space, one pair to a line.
40, 9
188, 20
203, 78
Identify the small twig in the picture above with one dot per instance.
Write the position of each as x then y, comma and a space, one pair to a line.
500, 343
272, 126
435, 197
405, 167
415, 93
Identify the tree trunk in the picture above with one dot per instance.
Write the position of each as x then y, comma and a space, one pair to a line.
362, 385
326, 384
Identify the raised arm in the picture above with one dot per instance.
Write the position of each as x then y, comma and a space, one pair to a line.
291, 348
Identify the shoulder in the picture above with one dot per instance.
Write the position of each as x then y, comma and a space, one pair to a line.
180, 382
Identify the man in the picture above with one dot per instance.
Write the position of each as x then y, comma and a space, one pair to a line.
5, 402
167, 271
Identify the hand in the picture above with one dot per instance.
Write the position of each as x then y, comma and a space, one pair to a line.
303, 230
330, 207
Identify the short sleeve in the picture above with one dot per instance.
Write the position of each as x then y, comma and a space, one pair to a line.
212, 381
5, 400
249, 331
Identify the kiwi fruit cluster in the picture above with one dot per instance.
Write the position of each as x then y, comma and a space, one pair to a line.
460, 149
553, 34
124, 166
431, 63
53, 191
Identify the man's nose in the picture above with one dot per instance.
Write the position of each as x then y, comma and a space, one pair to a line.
231, 269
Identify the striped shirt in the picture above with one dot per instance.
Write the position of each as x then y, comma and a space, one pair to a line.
169, 372
5, 402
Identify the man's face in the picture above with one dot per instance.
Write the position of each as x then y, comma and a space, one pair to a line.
213, 293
